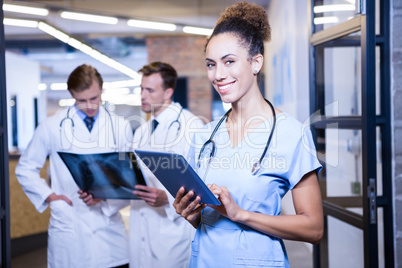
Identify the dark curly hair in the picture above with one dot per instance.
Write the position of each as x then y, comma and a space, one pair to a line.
249, 22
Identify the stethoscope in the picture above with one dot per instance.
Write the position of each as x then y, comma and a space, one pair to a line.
69, 118
211, 142
174, 122
171, 125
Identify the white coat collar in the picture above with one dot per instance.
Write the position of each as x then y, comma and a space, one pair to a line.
169, 114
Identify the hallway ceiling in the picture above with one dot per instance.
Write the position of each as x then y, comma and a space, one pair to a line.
119, 41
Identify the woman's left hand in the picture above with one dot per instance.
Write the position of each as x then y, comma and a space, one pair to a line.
228, 206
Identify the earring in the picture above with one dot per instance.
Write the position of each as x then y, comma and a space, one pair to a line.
255, 71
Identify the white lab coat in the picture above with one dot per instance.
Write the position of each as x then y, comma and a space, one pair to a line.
78, 235
159, 237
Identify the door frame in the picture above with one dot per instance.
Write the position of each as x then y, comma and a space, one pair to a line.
368, 122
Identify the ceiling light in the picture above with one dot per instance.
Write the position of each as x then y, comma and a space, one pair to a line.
66, 102
121, 84
116, 91
58, 86
53, 32
88, 50
152, 25
20, 23
197, 30
26, 10
42, 86
324, 20
130, 99
75, 43
88, 17
333, 8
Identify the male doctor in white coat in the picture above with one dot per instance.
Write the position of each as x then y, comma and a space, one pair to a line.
158, 237
78, 235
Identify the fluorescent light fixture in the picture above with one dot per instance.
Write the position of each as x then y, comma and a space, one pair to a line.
20, 23
66, 102
75, 43
58, 86
333, 8
197, 30
130, 99
88, 17
88, 50
324, 20
121, 84
53, 32
117, 91
26, 10
42, 86
152, 25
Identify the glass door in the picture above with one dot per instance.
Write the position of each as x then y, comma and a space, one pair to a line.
349, 103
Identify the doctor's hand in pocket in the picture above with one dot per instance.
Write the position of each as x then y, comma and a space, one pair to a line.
88, 198
54, 197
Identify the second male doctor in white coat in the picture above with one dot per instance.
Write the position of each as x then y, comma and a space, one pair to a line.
158, 236
78, 235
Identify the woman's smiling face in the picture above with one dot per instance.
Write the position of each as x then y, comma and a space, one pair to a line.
230, 69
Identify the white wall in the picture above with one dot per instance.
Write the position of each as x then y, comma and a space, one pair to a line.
22, 79
287, 67
286, 58
286, 63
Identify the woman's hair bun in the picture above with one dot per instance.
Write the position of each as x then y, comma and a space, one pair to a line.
252, 13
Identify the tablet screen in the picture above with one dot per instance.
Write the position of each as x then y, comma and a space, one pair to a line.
173, 171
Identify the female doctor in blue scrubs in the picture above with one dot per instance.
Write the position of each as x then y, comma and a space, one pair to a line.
246, 230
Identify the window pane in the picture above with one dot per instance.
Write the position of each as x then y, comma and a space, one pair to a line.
343, 163
379, 162
1, 244
377, 17
345, 244
328, 13
2, 174
380, 227
378, 80
342, 80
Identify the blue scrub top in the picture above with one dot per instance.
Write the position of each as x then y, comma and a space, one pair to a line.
220, 242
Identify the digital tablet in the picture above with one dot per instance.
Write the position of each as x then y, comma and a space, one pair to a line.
105, 175
173, 171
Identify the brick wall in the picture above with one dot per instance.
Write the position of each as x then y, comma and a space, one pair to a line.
396, 87
186, 55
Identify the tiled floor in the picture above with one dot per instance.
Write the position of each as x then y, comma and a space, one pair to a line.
299, 257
